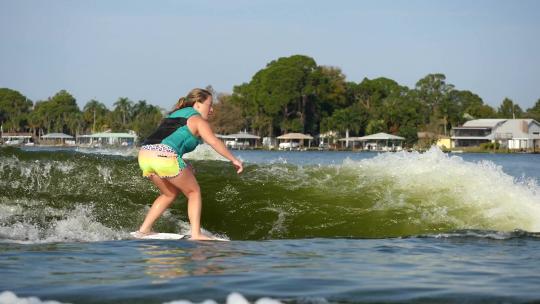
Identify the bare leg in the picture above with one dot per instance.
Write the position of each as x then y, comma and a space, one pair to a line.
187, 183
164, 200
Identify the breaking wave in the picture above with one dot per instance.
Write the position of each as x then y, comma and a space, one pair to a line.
71, 196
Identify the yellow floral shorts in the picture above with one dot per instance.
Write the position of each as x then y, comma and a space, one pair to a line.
161, 160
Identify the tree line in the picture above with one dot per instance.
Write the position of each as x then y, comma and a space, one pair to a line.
60, 113
294, 94
290, 94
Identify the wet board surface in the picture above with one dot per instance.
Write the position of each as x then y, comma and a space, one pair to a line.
159, 236
168, 236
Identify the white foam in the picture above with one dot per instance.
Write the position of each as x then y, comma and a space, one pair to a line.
447, 189
185, 229
105, 173
8, 297
33, 175
416, 191
126, 151
77, 224
204, 152
233, 298
18, 224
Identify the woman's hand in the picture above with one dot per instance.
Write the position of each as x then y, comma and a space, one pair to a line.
239, 166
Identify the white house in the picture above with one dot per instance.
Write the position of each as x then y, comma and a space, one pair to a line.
519, 134
378, 142
510, 133
240, 140
107, 139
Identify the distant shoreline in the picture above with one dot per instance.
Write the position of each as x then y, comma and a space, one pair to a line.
473, 150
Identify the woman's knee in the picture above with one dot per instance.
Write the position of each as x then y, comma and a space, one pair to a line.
171, 193
193, 191
187, 183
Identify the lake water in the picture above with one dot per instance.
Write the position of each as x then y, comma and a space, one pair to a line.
305, 227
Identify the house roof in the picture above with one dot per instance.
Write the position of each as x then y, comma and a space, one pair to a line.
110, 135
57, 136
377, 136
382, 136
16, 136
351, 139
295, 136
489, 123
519, 128
223, 136
242, 135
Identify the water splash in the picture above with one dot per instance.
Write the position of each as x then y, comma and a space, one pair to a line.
446, 189
204, 152
78, 224
389, 195
8, 297
233, 298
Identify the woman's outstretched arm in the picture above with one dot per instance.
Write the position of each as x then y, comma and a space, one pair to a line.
203, 129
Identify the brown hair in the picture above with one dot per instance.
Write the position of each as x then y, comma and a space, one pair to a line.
195, 95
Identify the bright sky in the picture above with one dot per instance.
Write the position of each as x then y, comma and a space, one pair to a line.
159, 50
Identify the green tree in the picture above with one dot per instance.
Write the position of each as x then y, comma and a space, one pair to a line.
64, 110
283, 90
534, 112
376, 126
74, 123
14, 110
145, 118
434, 92
39, 117
255, 117
372, 93
508, 109
122, 114
402, 115
95, 116
328, 92
470, 105
352, 118
59, 113
227, 117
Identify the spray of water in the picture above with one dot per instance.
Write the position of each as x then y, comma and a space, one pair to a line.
50, 197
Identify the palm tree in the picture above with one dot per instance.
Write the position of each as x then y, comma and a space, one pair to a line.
94, 111
124, 105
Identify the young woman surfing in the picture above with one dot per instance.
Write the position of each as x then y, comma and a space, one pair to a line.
160, 158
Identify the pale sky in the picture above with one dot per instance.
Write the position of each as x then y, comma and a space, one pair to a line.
159, 50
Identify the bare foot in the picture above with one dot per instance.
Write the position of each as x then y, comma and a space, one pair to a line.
200, 237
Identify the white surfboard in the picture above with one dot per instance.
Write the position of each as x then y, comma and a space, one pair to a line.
167, 236
158, 236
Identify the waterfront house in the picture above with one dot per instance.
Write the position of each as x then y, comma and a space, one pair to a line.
242, 140
519, 134
509, 133
475, 132
377, 142
17, 138
293, 141
107, 139
57, 139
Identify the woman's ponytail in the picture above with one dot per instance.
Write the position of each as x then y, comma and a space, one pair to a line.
195, 95
182, 103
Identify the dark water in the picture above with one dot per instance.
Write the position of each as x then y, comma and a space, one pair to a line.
306, 227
